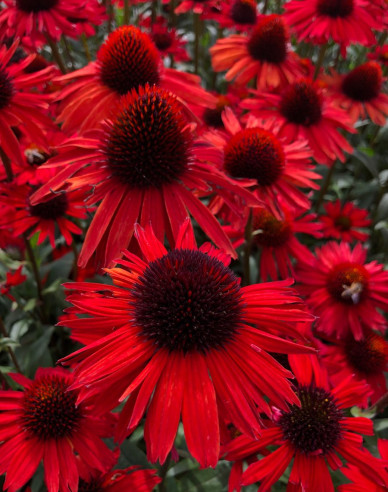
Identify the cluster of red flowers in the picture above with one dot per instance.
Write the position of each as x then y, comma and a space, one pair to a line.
132, 162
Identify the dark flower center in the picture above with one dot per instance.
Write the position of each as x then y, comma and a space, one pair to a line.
148, 143
269, 39
35, 5
335, 8
244, 12
348, 283
367, 356
35, 156
128, 59
255, 154
94, 485
364, 82
213, 116
315, 426
6, 88
343, 223
52, 209
270, 232
162, 40
301, 103
50, 410
187, 301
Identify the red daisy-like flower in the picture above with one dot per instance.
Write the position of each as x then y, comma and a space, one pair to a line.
366, 359
343, 290
196, 6
12, 279
312, 435
258, 157
176, 336
20, 105
344, 21
45, 423
130, 479
143, 166
343, 221
265, 54
17, 213
237, 14
303, 110
127, 60
360, 94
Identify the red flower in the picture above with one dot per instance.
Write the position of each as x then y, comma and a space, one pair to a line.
179, 341
18, 106
343, 290
343, 221
360, 94
266, 54
302, 110
12, 279
312, 435
196, 6
127, 60
380, 54
130, 479
43, 422
235, 14
141, 165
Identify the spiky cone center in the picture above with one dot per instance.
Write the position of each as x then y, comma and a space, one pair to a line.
367, 356
187, 301
364, 82
163, 40
244, 12
343, 223
268, 41
255, 154
34, 6
301, 103
52, 209
348, 283
270, 231
6, 88
315, 426
128, 59
335, 8
49, 409
149, 143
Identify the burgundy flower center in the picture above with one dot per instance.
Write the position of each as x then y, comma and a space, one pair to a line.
35, 5
269, 39
364, 82
52, 209
128, 59
348, 282
368, 356
148, 144
270, 232
301, 103
335, 8
255, 154
49, 409
95, 485
162, 40
343, 223
315, 426
187, 301
6, 88
213, 116
244, 12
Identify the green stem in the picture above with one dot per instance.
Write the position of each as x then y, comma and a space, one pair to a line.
110, 12
5, 334
7, 165
265, 7
126, 12
163, 473
55, 52
321, 57
172, 13
86, 47
68, 51
75, 263
38, 280
154, 11
325, 187
197, 32
248, 249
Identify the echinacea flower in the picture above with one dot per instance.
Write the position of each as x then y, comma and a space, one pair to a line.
20, 106
343, 221
144, 166
177, 336
343, 290
196, 6
312, 436
130, 479
45, 423
360, 94
265, 54
12, 279
235, 14
127, 60
344, 21
303, 110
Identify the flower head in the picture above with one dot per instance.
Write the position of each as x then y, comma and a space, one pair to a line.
343, 221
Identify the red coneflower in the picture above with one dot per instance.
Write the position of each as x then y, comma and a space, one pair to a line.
237, 14
344, 21
343, 221
19, 106
312, 435
196, 6
343, 290
360, 94
143, 166
44, 423
180, 340
265, 54
127, 60
12, 279
130, 479
302, 110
